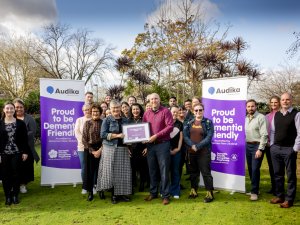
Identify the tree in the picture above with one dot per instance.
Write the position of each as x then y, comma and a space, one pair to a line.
276, 82
293, 49
66, 55
19, 74
141, 80
181, 48
123, 64
116, 92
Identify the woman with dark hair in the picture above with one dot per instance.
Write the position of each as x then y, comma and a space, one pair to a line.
125, 110
27, 166
92, 149
274, 105
114, 169
138, 151
181, 114
181, 117
197, 135
13, 149
104, 107
175, 151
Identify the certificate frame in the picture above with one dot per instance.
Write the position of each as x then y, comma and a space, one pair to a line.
135, 132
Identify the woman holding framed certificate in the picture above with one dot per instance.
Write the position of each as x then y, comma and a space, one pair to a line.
114, 168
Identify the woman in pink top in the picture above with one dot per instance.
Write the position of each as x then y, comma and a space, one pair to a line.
274, 105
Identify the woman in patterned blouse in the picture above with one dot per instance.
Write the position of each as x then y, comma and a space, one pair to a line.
13, 149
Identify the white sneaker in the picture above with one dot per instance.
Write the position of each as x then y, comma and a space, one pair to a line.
176, 196
249, 193
83, 191
94, 191
23, 189
253, 197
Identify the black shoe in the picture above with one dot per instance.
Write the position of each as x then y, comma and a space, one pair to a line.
209, 197
114, 199
15, 199
124, 198
8, 201
101, 195
271, 191
90, 197
193, 194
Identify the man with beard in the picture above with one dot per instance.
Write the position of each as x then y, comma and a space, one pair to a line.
257, 138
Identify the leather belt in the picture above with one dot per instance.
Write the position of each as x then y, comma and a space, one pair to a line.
158, 142
253, 142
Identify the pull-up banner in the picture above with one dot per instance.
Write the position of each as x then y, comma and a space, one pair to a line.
224, 103
60, 102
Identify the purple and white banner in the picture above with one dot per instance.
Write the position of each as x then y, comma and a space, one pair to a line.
224, 103
61, 104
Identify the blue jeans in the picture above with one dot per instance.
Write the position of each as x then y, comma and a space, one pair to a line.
175, 174
253, 167
158, 158
82, 164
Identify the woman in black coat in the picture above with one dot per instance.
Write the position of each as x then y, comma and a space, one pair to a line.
13, 149
27, 167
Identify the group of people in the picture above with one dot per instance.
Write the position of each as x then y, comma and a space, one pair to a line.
17, 152
178, 135
175, 132
278, 136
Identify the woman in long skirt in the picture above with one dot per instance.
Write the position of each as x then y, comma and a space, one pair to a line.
114, 169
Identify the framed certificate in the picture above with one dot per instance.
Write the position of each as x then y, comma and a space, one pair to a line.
137, 132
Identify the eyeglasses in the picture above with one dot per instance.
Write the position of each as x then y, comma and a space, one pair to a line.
198, 110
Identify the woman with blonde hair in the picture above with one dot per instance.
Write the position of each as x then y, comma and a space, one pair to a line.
274, 105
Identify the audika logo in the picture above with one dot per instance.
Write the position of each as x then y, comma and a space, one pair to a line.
230, 90
211, 90
68, 91
50, 89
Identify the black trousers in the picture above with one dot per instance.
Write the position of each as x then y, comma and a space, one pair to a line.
183, 159
201, 163
10, 166
27, 170
284, 158
139, 165
91, 170
270, 164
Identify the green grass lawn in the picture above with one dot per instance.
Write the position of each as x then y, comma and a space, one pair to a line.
66, 205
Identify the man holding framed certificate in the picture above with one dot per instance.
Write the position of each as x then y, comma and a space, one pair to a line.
161, 125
